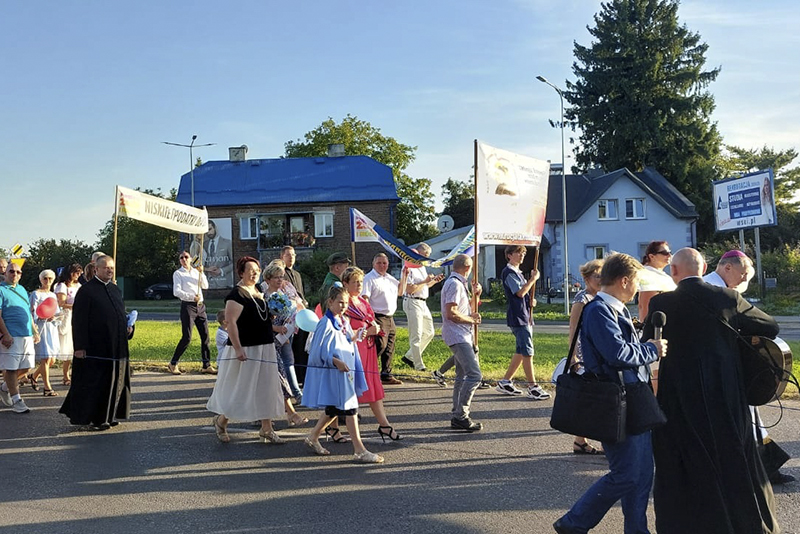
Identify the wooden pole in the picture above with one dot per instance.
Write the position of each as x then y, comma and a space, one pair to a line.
116, 218
200, 264
353, 252
535, 270
475, 249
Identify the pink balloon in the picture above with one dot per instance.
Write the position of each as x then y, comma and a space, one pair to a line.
47, 309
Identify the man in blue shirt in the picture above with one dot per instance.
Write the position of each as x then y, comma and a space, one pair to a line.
519, 295
17, 337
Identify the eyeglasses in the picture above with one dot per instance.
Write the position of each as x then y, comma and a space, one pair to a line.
12, 271
664, 252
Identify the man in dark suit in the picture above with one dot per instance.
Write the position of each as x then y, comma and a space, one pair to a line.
709, 477
299, 339
100, 394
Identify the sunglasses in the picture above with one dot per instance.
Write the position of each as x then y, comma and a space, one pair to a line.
664, 252
12, 271
185, 257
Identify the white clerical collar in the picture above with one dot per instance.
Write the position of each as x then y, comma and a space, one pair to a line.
102, 281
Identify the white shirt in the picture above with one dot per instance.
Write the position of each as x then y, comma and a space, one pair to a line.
416, 276
652, 279
714, 279
184, 284
381, 291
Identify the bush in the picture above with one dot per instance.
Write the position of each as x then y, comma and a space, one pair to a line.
313, 270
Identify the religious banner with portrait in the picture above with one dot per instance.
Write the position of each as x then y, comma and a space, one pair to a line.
217, 253
511, 197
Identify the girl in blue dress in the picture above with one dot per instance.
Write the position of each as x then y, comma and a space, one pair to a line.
335, 378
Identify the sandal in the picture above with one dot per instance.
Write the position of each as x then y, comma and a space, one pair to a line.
585, 448
50, 392
222, 432
334, 435
318, 449
66, 381
296, 420
33, 382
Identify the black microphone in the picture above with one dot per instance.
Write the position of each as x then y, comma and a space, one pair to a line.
659, 321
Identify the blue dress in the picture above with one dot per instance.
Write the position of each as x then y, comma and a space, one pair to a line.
325, 385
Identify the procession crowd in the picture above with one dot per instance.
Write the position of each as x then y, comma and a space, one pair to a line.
274, 354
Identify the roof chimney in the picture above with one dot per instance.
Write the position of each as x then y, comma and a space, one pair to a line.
237, 153
335, 150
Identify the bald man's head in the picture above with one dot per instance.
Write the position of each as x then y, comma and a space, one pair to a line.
687, 262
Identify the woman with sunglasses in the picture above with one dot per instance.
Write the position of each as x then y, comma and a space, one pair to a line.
653, 280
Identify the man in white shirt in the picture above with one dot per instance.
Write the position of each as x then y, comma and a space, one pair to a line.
380, 289
415, 284
188, 284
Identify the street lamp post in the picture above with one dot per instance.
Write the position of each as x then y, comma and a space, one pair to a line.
563, 196
190, 146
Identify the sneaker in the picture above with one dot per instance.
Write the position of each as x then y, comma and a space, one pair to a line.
507, 387
536, 392
465, 424
439, 377
20, 407
174, 369
5, 397
484, 385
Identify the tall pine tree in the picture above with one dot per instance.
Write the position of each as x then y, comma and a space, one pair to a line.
640, 99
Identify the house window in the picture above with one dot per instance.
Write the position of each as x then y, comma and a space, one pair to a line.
596, 252
607, 210
634, 208
248, 227
323, 224
280, 229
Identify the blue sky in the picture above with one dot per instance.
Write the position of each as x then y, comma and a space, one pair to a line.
91, 88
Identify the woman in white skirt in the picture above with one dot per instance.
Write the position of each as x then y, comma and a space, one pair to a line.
65, 289
43, 308
248, 387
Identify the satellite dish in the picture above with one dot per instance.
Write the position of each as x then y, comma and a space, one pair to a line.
445, 223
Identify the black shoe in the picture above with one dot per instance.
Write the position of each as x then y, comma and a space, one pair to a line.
777, 478
100, 428
484, 385
407, 361
563, 529
465, 424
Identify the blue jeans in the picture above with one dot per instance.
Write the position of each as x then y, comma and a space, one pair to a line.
629, 480
287, 358
468, 378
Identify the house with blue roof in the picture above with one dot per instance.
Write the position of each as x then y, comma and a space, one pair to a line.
264, 204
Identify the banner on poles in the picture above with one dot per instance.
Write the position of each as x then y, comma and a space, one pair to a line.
161, 212
745, 202
396, 247
511, 193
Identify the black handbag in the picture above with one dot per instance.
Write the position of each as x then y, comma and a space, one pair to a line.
588, 406
644, 413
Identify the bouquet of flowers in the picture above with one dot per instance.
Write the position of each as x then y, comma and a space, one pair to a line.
283, 309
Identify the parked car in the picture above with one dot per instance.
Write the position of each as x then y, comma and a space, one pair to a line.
159, 291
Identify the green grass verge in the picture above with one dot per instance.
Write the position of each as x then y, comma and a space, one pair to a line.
155, 341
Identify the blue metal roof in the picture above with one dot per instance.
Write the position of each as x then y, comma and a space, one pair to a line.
289, 181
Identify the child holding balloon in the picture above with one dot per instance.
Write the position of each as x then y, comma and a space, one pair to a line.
44, 307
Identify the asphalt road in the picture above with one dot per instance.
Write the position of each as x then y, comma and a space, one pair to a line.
166, 472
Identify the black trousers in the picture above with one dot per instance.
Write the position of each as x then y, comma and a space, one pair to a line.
193, 314
385, 344
300, 355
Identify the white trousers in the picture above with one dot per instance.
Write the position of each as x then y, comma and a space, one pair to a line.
420, 329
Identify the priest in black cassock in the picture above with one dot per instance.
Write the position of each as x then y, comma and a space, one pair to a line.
709, 477
100, 394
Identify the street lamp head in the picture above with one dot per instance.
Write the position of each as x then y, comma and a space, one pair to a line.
542, 79
194, 137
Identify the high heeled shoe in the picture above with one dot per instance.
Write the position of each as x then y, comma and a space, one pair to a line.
270, 436
318, 449
222, 432
391, 434
296, 419
333, 434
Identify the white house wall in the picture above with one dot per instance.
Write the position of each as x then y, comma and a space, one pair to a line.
620, 235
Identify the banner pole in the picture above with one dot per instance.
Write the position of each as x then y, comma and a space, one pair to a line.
353, 252
535, 270
116, 219
476, 248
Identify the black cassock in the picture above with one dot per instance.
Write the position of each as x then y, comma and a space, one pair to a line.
101, 384
709, 477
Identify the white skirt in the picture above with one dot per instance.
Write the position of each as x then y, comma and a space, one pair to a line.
65, 336
248, 390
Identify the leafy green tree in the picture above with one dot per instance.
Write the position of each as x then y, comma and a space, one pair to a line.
742, 160
52, 254
415, 212
459, 201
145, 252
640, 99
